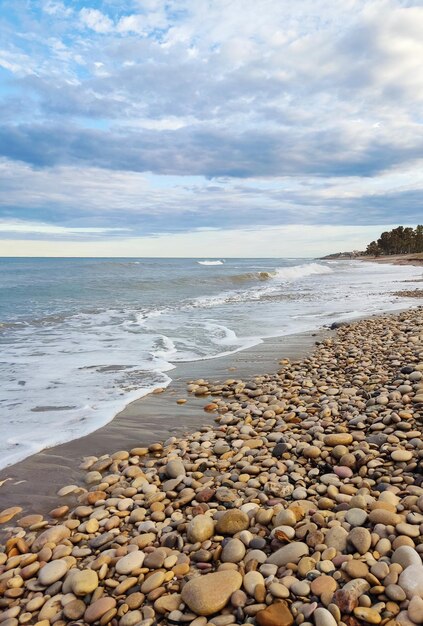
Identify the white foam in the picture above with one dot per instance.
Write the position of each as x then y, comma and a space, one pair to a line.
301, 271
210, 262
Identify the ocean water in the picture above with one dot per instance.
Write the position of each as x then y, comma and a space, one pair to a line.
81, 338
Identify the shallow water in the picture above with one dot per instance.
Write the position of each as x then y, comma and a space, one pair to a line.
80, 338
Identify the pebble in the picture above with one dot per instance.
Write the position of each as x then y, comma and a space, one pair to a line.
304, 503
130, 563
52, 572
411, 581
277, 614
323, 617
208, 594
200, 528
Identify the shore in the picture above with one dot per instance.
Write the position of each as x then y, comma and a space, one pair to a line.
397, 259
33, 483
302, 505
393, 259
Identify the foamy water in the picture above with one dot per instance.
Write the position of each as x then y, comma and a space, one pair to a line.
82, 338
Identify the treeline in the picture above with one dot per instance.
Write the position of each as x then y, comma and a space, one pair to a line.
399, 240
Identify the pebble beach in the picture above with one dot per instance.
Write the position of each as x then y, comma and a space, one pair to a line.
302, 504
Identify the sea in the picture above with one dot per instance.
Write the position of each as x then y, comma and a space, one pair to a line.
82, 338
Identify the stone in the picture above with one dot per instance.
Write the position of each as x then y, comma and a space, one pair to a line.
233, 551
210, 593
337, 439
74, 609
7, 514
277, 614
84, 582
175, 468
56, 534
361, 539
323, 617
52, 572
382, 516
356, 517
401, 456
153, 581
336, 537
291, 553
406, 556
356, 569
232, 522
347, 597
130, 562
97, 609
411, 581
200, 528
415, 610
251, 580
323, 584
368, 615
168, 603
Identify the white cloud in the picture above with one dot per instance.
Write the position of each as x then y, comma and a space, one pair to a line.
96, 20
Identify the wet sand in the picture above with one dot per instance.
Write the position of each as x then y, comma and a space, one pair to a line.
35, 481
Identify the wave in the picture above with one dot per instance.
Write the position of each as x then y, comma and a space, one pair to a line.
210, 262
301, 271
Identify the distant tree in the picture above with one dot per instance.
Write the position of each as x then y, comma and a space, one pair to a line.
400, 240
373, 249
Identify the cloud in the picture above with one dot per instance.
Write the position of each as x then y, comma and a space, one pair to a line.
96, 20
190, 114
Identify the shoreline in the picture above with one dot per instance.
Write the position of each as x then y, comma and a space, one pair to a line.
394, 259
33, 482
302, 504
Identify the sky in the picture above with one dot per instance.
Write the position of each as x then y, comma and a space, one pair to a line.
208, 127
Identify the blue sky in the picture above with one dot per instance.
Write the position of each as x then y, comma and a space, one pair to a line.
208, 127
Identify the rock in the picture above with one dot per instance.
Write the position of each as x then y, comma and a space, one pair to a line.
208, 594
99, 608
7, 514
361, 539
291, 553
200, 528
277, 614
323, 584
356, 517
337, 439
323, 617
56, 534
401, 456
84, 582
175, 468
382, 516
347, 597
130, 562
52, 572
168, 603
231, 522
153, 581
406, 556
233, 551
370, 616
411, 581
336, 537
415, 610
74, 609
251, 580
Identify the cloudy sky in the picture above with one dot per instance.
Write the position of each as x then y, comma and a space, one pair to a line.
208, 127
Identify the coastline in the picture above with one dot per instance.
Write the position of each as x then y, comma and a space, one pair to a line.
33, 482
394, 259
304, 500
